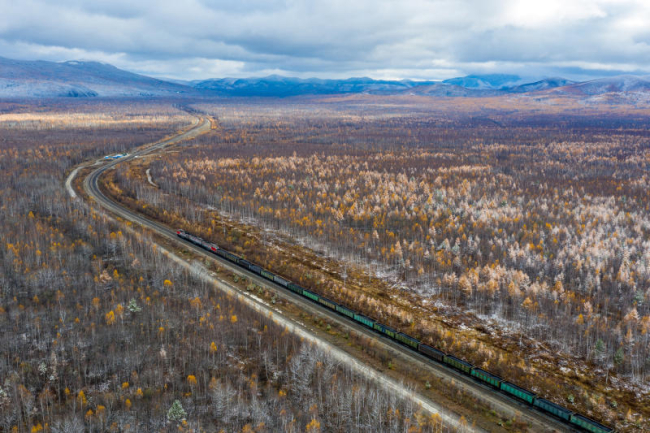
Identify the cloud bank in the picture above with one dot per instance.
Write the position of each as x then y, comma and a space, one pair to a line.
418, 39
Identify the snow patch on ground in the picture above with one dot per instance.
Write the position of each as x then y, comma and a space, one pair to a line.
149, 179
500, 323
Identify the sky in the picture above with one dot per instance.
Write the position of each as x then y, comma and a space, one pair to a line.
382, 39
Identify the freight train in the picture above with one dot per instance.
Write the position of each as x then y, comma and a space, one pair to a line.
431, 353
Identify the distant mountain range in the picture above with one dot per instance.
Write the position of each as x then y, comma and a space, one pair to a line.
485, 82
276, 85
41, 79
620, 84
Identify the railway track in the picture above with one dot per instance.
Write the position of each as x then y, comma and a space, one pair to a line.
537, 420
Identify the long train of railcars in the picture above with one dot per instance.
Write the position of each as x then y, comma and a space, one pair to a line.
439, 356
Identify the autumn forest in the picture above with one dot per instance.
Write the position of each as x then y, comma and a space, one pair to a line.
519, 241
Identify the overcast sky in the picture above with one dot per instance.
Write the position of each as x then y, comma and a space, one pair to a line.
418, 39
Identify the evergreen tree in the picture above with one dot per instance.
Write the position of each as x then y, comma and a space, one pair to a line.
176, 412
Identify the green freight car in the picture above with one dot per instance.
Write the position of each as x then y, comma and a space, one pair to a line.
385, 330
553, 408
329, 304
233, 258
311, 295
345, 311
487, 377
458, 363
521, 393
267, 274
589, 425
366, 321
295, 288
409, 341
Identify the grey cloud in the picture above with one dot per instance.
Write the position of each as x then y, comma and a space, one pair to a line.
197, 38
